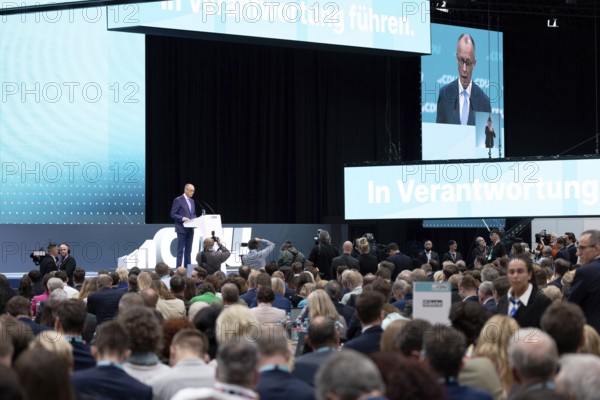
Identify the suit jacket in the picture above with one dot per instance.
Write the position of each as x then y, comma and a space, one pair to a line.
527, 316
572, 249
345, 311
368, 342
48, 264
81, 355
36, 328
458, 392
422, 257
401, 262
448, 106
367, 263
281, 385
344, 259
306, 365
179, 210
104, 304
266, 314
474, 298
448, 257
110, 382
491, 305
249, 297
585, 291
564, 254
497, 251
68, 265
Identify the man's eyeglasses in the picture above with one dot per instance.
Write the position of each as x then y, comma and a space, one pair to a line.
462, 62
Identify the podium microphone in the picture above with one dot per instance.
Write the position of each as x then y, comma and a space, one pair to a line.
202, 210
205, 205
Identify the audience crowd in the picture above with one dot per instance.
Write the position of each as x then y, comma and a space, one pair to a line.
337, 324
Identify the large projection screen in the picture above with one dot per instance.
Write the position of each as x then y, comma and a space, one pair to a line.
527, 188
443, 135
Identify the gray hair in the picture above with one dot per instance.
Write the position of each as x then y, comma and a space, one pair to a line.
237, 362
578, 376
489, 274
55, 283
486, 288
401, 285
349, 375
58, 295
594, 236
533, 354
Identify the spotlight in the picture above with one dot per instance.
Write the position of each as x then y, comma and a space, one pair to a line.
552, 23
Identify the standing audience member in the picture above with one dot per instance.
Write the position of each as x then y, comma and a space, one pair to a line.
322, 255
584, 289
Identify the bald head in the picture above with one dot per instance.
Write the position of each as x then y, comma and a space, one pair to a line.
347, 247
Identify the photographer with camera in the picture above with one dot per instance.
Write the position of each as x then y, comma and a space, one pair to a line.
211, 259
49, 262
257, 259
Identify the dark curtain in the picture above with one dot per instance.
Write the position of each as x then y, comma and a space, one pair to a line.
264, 132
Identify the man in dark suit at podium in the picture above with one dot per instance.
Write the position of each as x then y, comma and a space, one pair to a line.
183, 210
460, 99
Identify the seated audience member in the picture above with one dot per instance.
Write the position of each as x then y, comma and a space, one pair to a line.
324, 338
25, 287
564, 322
18, 335
408, 339
354, 282
467, 288
493, 344
54, 342
168, 305
178, 288
469, 317
20, 308
533, 359
70, 321
188, 365
444, 350
104, 303
205, 293
108, 380
486, 296
170, 327
369, 309
43, 375
334, 290
130, 300
206, 322
90, 285
406, 379
275, 380
265, 313
230, 294
145, 335
280, 301
578, 376
349, 375
71, 292
250, 295
591, 343
78, 278
150, 298
37, 279
236, 374
402, 294
36, 300
236, 323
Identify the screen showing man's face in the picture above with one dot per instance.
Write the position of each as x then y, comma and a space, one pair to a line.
465, 56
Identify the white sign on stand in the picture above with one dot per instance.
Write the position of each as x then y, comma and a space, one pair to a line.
432, 301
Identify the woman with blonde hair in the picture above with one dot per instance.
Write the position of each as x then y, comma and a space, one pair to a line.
144, 280
90, 285
493, 344
366, 261
168, 305
319, 304
591, 342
